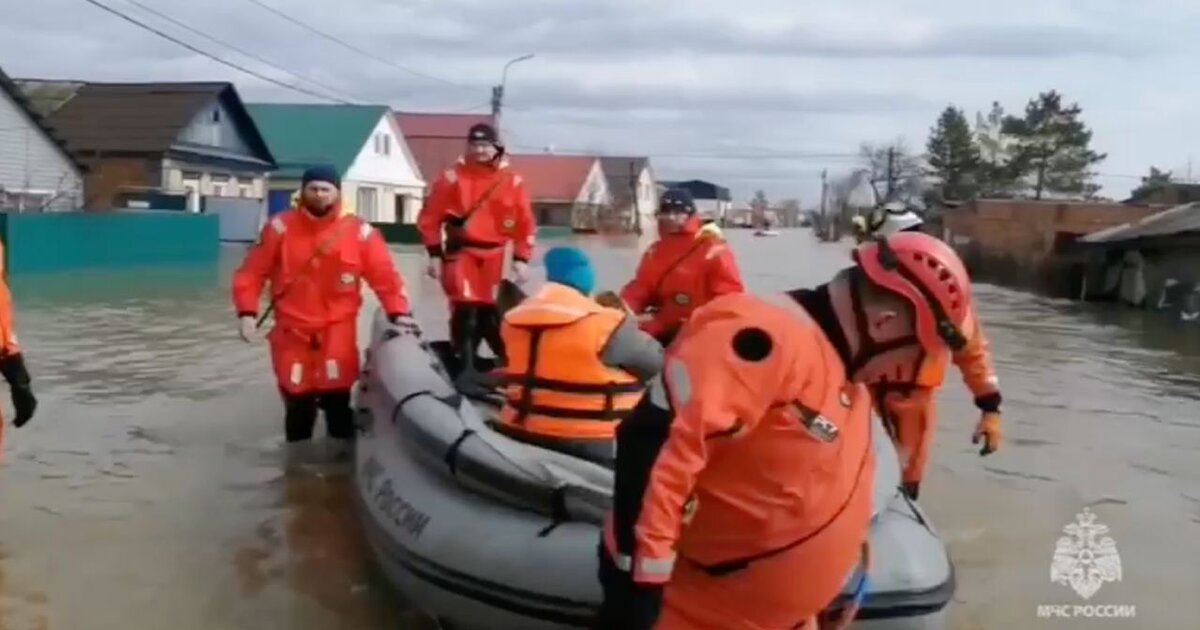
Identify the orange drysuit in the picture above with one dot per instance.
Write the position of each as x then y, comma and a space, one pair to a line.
678, 274
8, 336
909, 412
316, 266
482, 207
743, 487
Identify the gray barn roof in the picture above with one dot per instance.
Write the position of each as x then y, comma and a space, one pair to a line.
1177, 220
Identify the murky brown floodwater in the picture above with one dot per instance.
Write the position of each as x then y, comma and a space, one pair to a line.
148, 494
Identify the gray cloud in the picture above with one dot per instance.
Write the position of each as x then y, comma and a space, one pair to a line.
835, 78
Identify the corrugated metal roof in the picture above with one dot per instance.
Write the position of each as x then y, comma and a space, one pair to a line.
303, 135
135, 117
1177, 220
435, 125
437, 140
553, 178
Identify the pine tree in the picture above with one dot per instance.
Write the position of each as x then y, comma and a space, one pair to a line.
995, 178
1052, 148
953, 156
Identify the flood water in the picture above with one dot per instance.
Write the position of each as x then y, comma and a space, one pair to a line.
148, 493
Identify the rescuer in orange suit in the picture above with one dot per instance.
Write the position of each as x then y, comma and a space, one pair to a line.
482, 205
909, 410
743, 481
12, 362
316, 259
575, 368
680, 272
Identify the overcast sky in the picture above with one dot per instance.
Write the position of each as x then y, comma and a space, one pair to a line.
704, 87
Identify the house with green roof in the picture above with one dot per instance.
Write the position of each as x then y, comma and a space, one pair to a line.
381, 182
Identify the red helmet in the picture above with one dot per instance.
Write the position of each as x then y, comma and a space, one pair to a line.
930, 275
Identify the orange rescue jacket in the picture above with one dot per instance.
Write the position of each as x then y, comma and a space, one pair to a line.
316, 267
677, 275
505, 214
557, 384
763, 484
974, 361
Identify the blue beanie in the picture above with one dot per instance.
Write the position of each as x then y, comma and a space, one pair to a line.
570, 266
321, 173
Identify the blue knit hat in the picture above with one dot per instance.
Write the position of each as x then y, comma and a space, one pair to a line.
321, 173
570, 266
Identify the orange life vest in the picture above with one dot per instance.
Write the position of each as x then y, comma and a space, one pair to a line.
557, 385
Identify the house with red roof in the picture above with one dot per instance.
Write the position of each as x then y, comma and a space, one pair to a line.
566, 190
437, 140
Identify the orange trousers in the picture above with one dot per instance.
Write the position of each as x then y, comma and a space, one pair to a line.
473, 276
910, 418
309, 361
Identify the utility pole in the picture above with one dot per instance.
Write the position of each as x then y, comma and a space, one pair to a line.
891, 173
498, 91
824, 190
633, 188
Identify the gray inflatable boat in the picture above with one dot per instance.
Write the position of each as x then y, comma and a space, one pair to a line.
487, 533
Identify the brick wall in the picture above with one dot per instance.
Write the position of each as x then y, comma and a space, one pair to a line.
106, 176
1014, 240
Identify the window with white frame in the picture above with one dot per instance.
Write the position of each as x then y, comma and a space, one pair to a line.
383, 144
368, 203
220, 185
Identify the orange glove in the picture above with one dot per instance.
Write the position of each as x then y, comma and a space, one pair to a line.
988, 429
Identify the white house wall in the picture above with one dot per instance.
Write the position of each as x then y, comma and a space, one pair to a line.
399, 189
31, 162
595, 188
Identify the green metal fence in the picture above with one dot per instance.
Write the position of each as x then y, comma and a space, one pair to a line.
61, 241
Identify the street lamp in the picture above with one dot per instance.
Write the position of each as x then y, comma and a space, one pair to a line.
498, 90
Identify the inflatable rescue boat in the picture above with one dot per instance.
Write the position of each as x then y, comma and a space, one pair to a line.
486, 533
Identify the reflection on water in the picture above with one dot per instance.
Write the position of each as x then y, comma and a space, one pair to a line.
149, 492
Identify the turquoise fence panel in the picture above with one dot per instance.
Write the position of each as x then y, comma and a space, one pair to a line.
63, 241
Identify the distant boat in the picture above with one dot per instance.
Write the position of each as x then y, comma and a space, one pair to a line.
766, 232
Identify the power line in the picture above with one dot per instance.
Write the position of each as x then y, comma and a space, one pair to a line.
332, 90
198, 51
340, 42
708, 155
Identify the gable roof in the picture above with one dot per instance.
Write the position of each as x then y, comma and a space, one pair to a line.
553, 178
1177, 220
13, 90
134, 117
437, 140
302, 135
622, 174
701, 189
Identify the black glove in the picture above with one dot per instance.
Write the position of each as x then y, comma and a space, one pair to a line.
405, 322
627, 605
13, 369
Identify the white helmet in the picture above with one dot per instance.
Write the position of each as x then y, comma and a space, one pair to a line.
893, 217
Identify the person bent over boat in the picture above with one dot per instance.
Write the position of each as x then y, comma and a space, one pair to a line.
909, 409
12, 360
575, 368
316, 259
680, 272
481, 205
743, 480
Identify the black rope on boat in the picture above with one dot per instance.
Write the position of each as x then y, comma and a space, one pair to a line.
452, 453
558, 511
